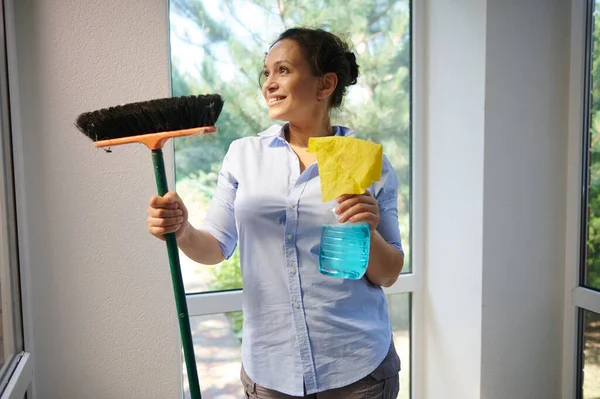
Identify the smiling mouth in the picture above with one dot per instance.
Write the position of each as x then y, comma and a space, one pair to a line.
272, 101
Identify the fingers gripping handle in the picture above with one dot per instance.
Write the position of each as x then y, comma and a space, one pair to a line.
180, 301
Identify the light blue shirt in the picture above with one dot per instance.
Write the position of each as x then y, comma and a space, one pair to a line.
301, 328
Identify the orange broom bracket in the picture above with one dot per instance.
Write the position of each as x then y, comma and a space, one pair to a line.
155, 141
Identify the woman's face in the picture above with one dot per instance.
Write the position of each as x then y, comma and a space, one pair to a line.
290, 88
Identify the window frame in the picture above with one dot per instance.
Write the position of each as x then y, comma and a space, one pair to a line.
577, 297
18, 381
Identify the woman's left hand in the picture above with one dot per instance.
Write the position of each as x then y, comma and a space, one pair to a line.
358, 208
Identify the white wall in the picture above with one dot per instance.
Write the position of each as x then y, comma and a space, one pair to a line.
100, 296
455, 81
496, 132
527, 100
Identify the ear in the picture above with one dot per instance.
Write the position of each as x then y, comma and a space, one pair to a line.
327, 85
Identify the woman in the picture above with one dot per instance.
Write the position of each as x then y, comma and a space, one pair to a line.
305, 334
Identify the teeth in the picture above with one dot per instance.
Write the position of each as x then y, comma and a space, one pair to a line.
275, 99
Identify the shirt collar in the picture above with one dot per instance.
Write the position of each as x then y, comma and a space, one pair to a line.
278, 131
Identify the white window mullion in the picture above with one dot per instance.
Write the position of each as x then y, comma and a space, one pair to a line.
214, 302
406, 283
20, 379
587, 299
231, 301
418, 198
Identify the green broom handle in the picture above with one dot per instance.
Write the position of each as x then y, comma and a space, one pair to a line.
180, 300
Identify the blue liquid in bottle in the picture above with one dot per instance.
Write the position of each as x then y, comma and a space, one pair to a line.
344, 251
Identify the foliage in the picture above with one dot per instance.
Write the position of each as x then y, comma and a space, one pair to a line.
228, 40
236, 319
593, 221
378, 107
196, 192
593, 239
228, 276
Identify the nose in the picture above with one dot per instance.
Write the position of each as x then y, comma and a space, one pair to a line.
270, 84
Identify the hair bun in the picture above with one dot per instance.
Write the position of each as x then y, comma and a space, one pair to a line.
353, 67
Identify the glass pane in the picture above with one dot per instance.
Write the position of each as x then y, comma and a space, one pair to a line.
217, 340
220, 46
11, 340
591, 274
400, 313
10, 318
591, 356
5, 312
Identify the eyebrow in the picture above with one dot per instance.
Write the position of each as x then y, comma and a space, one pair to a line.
278, 63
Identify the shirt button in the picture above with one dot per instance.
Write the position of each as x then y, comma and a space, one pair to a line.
292, 206
293, 270
290, 236
297, 305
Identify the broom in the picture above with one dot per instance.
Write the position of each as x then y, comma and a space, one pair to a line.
152, 123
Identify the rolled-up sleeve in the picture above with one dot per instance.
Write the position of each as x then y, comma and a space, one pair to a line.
220, 219
386, 194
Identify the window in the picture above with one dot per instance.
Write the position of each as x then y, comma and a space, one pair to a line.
219, 47
10, 331
591, 271
586, 295
591, 355
216, 337
15, 365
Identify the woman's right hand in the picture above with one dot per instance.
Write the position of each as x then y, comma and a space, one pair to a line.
167, 214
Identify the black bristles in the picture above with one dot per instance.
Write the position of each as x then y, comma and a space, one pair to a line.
161, 115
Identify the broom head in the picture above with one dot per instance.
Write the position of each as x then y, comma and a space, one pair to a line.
152, 122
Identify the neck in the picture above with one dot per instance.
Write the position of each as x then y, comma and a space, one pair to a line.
298, 134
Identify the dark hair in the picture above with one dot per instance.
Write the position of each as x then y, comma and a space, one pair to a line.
326, 52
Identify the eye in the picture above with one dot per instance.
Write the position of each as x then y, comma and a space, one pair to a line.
283, 69
266, 74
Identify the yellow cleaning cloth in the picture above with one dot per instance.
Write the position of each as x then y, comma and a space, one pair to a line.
346, 165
